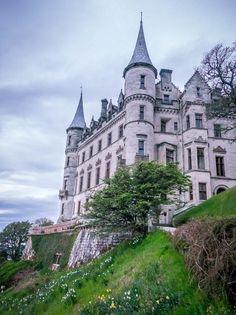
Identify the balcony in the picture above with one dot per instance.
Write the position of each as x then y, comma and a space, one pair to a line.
63, 193
139, 158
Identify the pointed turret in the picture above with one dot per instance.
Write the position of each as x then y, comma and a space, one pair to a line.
140, 54
78, 121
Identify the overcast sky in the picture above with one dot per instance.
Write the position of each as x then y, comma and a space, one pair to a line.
48, 49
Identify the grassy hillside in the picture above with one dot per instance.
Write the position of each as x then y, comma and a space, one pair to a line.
144, 277
222, 205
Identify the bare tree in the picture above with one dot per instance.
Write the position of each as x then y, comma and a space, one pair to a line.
44, 222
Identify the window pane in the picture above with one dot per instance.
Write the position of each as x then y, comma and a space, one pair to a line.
217, 131
200, 158
198, 120
141, 147
169, 156
202, 191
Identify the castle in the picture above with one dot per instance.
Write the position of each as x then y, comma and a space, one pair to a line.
152, 120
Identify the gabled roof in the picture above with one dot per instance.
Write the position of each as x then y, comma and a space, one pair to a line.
140, 54
78, 121
197, 74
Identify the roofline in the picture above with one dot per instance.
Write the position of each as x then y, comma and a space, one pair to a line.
138, 64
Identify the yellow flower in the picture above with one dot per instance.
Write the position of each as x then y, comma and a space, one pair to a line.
112, 305
167, 297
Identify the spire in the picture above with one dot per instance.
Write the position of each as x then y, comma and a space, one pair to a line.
140, 54
78, 121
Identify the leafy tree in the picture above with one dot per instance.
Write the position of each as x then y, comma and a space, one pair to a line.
218, 67
133, 194
44, 222
13, 238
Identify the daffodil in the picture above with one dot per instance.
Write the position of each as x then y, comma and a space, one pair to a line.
112, 306
167, 297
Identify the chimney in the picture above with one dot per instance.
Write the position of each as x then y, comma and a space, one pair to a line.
165, 75
104, 108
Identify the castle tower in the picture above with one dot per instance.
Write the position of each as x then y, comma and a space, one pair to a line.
139, 99
74, 133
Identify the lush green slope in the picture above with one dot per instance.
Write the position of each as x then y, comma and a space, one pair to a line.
222, 205
144, 277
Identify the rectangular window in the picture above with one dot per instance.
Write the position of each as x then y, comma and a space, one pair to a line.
65, 184
141, 112
175, 126
163, 126
99, 145
198, 92
69, 140
121, 131
109, 138
91, 151
81, 183
83, 156
141, 147
169, 156
200, 158
220, 168
166, 99
108, 169
62, 208
202, 191
188, 122
142, 81
89, 180
97, 175
198, 121
217, 131
189, 159
191, 191
68, 161
78, 207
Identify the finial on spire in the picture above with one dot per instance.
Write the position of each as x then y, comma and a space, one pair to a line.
81, 89
141, 17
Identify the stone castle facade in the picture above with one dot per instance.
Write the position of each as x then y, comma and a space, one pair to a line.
152, 120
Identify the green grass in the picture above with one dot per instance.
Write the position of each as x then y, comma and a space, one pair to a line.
9, 268
147, 277
222, 205
46, 246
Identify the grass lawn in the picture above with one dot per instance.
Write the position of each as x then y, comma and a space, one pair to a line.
222, 205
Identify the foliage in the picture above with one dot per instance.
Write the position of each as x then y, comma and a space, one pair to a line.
46, 246
147, 272
219, 69
209, 247
133, 194
43, 222
221, 205
13, 238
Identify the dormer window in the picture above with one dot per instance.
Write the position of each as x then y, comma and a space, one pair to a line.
142, 81
166, 99
198, 91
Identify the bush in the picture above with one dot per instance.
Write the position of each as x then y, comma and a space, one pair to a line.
209, 248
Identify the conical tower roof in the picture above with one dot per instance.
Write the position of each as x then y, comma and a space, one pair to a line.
140, 54
78, 121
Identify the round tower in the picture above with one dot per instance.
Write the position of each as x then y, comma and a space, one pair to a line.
66, 194
139, 100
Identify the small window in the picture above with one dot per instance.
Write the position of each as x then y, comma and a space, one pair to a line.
217, 131
189, 159
69, 140
163, 126
89, 180
141, 112
97, 175
78, 207
166, 99
200, 158
142, 81
109, 138
81, 183
68, 161
220, 168
65, 184
198, 91
62, 208
175, 126
108, 169
121, 131
191, 191
198, 121
83, 156
188, 122
169, 156
99, 145
141, 147
91, 151
202, 191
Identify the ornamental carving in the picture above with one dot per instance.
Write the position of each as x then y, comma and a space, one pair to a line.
119, 149
82, 172
89, 167
219, 149
200, 140
108, 156
139, 97
98, 162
